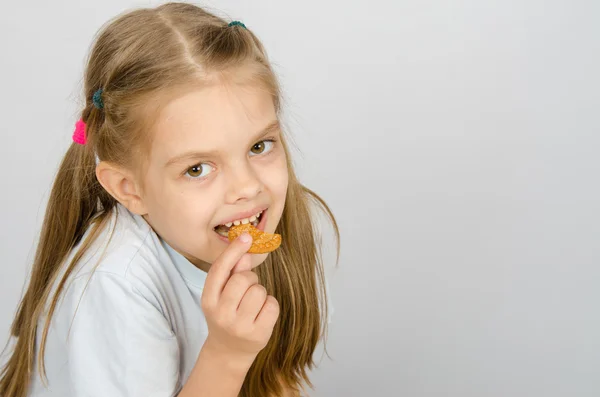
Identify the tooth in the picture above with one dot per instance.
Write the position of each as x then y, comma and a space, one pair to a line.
244, 221
229, 224
236, 223
253, 218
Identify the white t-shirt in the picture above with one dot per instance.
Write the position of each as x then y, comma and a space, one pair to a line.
129, 322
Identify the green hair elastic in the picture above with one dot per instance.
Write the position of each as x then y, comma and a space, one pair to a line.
237, 23
97, 99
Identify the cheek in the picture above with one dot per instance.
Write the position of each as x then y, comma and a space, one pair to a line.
278, 185
282, 188
176, 207
193, 208
258, 259
154, 198
278, 177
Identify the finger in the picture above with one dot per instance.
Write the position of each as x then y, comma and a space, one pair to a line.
220, 270
268, 315
244, 264
252, 303
235, 289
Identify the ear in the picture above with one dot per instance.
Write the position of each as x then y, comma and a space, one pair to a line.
122, 185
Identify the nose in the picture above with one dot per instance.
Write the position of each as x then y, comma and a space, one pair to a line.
244, 184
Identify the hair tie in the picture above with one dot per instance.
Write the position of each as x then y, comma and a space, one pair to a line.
237, 23
97, 99
79, 134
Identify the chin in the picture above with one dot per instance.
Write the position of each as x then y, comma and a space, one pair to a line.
258, 259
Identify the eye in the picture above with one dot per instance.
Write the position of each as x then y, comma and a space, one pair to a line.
199, 171
262, 147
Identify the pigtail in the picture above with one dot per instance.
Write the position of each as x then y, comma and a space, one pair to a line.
75, 200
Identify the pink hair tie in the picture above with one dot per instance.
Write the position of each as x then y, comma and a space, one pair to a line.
79, 134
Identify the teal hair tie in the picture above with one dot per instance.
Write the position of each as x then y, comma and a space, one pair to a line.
97, 99
237, 23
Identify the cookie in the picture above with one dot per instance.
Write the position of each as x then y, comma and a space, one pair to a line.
261, 242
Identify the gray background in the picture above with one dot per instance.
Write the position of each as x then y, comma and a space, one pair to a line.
457, 143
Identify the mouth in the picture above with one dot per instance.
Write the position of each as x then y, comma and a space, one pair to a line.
254, 220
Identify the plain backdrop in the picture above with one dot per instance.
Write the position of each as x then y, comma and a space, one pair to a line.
457, 143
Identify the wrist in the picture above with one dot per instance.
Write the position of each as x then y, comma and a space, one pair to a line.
233, 362
217, 372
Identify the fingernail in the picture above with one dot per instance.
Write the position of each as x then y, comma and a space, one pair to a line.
245, 238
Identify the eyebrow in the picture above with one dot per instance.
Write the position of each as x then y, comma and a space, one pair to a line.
273, 127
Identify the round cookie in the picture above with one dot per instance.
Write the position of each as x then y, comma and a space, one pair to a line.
261, 242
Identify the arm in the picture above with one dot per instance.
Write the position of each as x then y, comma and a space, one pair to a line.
215, 375
240, 317
117, 343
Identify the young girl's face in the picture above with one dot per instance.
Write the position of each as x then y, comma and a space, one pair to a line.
216, 158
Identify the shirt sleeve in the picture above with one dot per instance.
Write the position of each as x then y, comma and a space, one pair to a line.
119, 344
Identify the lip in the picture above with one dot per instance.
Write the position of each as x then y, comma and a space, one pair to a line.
243, 215
260, 226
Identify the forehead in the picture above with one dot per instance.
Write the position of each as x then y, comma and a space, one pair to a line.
212, 118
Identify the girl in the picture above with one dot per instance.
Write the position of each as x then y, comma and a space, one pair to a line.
136, 290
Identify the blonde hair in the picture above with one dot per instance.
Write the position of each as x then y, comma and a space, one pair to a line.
138, 57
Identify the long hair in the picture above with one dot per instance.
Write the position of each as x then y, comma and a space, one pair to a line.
140, 58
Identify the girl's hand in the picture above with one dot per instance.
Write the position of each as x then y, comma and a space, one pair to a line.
239, 313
